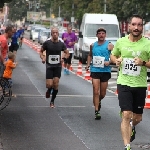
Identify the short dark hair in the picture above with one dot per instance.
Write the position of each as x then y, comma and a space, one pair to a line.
69, 26
135, 16
8, 28
100, 29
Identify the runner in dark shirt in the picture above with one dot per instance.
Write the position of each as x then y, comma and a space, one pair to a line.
53, 59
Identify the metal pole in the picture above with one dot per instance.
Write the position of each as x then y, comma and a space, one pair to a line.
72, 14
34, 8
105, 6
50, 17
59, 12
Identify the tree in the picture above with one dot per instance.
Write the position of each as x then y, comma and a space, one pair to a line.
125, 9
4, 1
18, 11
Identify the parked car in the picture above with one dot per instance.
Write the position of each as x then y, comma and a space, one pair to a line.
44, 35
39, 35
35, 32
29, 27
33, 26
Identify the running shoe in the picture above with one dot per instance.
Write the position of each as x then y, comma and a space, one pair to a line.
47, 95
97, 116
127, 148
52, 105
65, 71
133, 134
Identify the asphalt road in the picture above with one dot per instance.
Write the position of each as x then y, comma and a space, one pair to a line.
28, 123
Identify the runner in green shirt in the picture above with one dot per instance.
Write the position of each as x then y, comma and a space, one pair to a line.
132, 55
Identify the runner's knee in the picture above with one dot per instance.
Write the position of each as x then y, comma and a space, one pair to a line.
137, 117
127, 115
49, 85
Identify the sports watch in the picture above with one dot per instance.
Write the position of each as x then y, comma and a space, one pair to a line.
144, 63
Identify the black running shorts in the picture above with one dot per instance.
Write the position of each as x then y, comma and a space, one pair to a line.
68, 60
103, 76
131, 98
13, 47
52, 72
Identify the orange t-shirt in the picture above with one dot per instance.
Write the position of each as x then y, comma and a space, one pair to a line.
4, 46
9, 68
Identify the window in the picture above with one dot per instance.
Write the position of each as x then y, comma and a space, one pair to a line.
111, 30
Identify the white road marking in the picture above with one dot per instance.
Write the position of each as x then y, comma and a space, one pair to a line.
112, 82
30, 95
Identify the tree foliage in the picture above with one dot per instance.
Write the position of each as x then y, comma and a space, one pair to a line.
76, 8
4, 1
18, 9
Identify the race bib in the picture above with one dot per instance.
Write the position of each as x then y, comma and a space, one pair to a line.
148, 70
129, 67
70, 50
98, 61
54, 59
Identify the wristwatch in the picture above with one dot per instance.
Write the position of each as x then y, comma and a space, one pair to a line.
144, 63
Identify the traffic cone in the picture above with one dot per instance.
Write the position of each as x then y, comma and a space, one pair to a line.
87, 75
34, 46
79, 70
147, 104
38, 49
71, 69
24, 41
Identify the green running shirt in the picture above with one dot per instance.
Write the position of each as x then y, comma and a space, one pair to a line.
130, 74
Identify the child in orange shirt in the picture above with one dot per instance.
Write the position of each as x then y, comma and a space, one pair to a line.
9, 66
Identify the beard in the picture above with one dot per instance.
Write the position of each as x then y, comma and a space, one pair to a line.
55, 38
101, 39
135, 33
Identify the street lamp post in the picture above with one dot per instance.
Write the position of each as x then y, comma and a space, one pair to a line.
105, 1
72, 18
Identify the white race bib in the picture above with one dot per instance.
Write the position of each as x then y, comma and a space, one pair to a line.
98, 61
70, 50
148, 70
54, 59
129, 67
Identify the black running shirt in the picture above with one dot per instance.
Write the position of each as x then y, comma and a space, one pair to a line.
53, 52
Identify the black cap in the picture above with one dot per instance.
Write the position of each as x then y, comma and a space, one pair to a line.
101, 29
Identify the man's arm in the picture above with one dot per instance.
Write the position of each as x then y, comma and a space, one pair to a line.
113, 58
89, 58
116, 60
140, 62
67, 53
41, 52
110, 46
42, 56
2, 45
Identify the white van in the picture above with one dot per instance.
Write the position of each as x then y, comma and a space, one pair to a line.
90, 24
